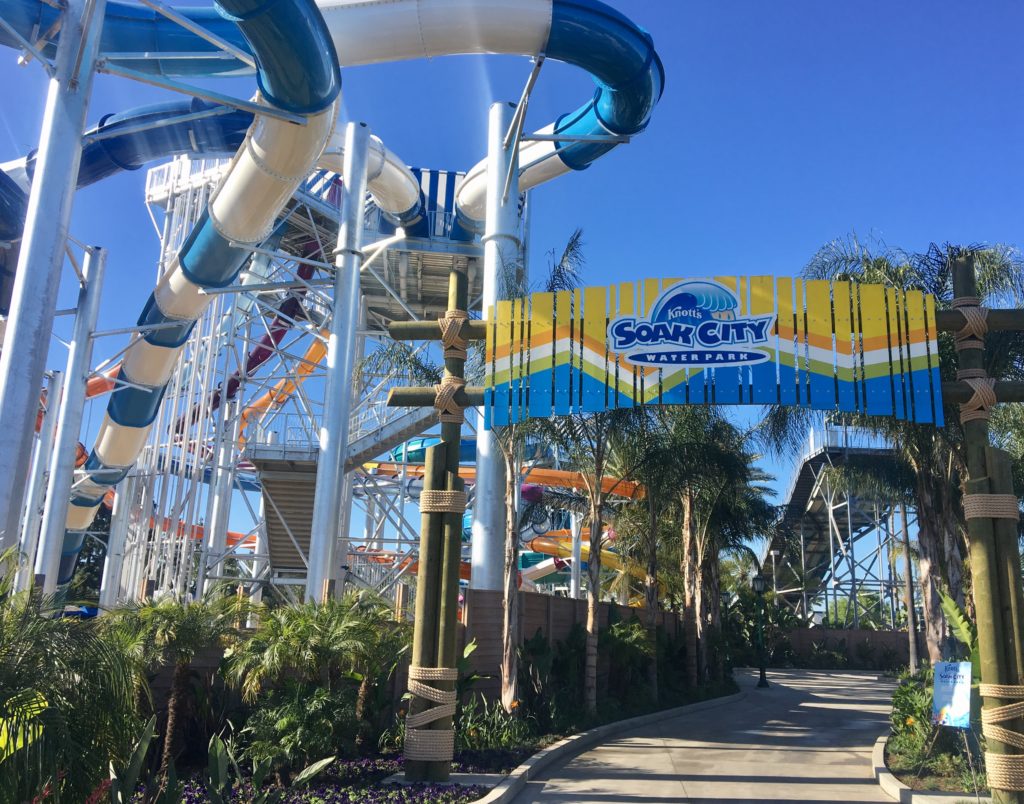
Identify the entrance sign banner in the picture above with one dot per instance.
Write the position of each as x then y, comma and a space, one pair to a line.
758, 340
951, 697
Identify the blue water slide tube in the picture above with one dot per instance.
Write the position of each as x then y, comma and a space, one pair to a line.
121, 142
415, 450
297, 70
629, 79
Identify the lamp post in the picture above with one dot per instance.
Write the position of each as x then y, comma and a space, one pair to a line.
757, 583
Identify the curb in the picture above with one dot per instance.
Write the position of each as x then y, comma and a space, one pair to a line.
897, 791
535, 765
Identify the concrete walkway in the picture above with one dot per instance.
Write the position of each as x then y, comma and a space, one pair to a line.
807, 738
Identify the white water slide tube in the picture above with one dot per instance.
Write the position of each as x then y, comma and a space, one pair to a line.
276, 156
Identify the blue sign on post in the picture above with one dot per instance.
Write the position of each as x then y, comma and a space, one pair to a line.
951, 696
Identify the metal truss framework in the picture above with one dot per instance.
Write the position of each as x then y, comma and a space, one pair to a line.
223, 491
838, 555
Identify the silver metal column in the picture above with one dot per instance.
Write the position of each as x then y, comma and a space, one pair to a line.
215, 535
72, 405
29, 326
576, 570
110, 586
501, 250
340, 364
37, 484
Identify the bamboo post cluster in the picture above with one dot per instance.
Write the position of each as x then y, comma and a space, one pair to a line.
429, 734
992, 512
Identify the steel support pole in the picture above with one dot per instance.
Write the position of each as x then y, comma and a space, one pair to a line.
341, 350
113, 564
215, 539
576, 570
69, 425
340, 564
501, 252
29, 325
37, 484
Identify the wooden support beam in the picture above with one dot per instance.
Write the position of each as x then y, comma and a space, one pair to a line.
472, 330
998, 320
468, 397
958, 392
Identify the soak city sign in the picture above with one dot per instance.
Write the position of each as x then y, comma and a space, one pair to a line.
758, 340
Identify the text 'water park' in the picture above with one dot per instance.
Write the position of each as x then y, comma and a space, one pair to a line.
325, 477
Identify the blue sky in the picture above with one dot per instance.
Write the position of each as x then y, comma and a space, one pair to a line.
783, 125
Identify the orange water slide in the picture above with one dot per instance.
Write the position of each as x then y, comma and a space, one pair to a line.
283, 389
558, 543
540, 477
465, 569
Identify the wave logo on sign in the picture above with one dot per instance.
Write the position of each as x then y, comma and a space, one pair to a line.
693, 323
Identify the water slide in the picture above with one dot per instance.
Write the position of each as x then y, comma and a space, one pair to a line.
558, 543
557, 478
297, 72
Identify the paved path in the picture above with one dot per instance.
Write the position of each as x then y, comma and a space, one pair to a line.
808, 738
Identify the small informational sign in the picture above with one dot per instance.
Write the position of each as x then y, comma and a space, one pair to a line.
951, 697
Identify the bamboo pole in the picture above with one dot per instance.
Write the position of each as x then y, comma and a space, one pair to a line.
1008, 559
428, 582
451, 550
991, 612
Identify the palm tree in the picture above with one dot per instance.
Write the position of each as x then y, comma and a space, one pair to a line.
400, 359
586, 438
180, 630
933, 457
66, 700
563, 274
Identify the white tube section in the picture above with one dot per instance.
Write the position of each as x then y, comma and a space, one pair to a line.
373, 31
388, 180
471, 197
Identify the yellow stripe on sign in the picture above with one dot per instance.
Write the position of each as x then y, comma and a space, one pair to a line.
489, 348
542, 331
628, 379
563, 320
542, 312
595, 364
503, 343
897, 355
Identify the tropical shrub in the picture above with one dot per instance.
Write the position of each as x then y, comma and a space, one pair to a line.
66, 701
485, 725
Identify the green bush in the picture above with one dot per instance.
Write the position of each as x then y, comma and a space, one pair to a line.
301, 723
628, 651
484, 725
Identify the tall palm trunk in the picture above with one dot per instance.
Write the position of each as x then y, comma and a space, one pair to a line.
510, 599
593, 600
175, 703
929, 569
651, 594
711, 616
689, 572
366, 728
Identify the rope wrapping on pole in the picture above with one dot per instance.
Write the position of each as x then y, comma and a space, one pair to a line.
983, 398
451, 334
991, 506
972, 335
448, 410
431, 745
442, 502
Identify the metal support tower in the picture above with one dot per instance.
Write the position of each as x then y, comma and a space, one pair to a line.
835, 547
27, 339
502, 247
340, 367
69, 423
